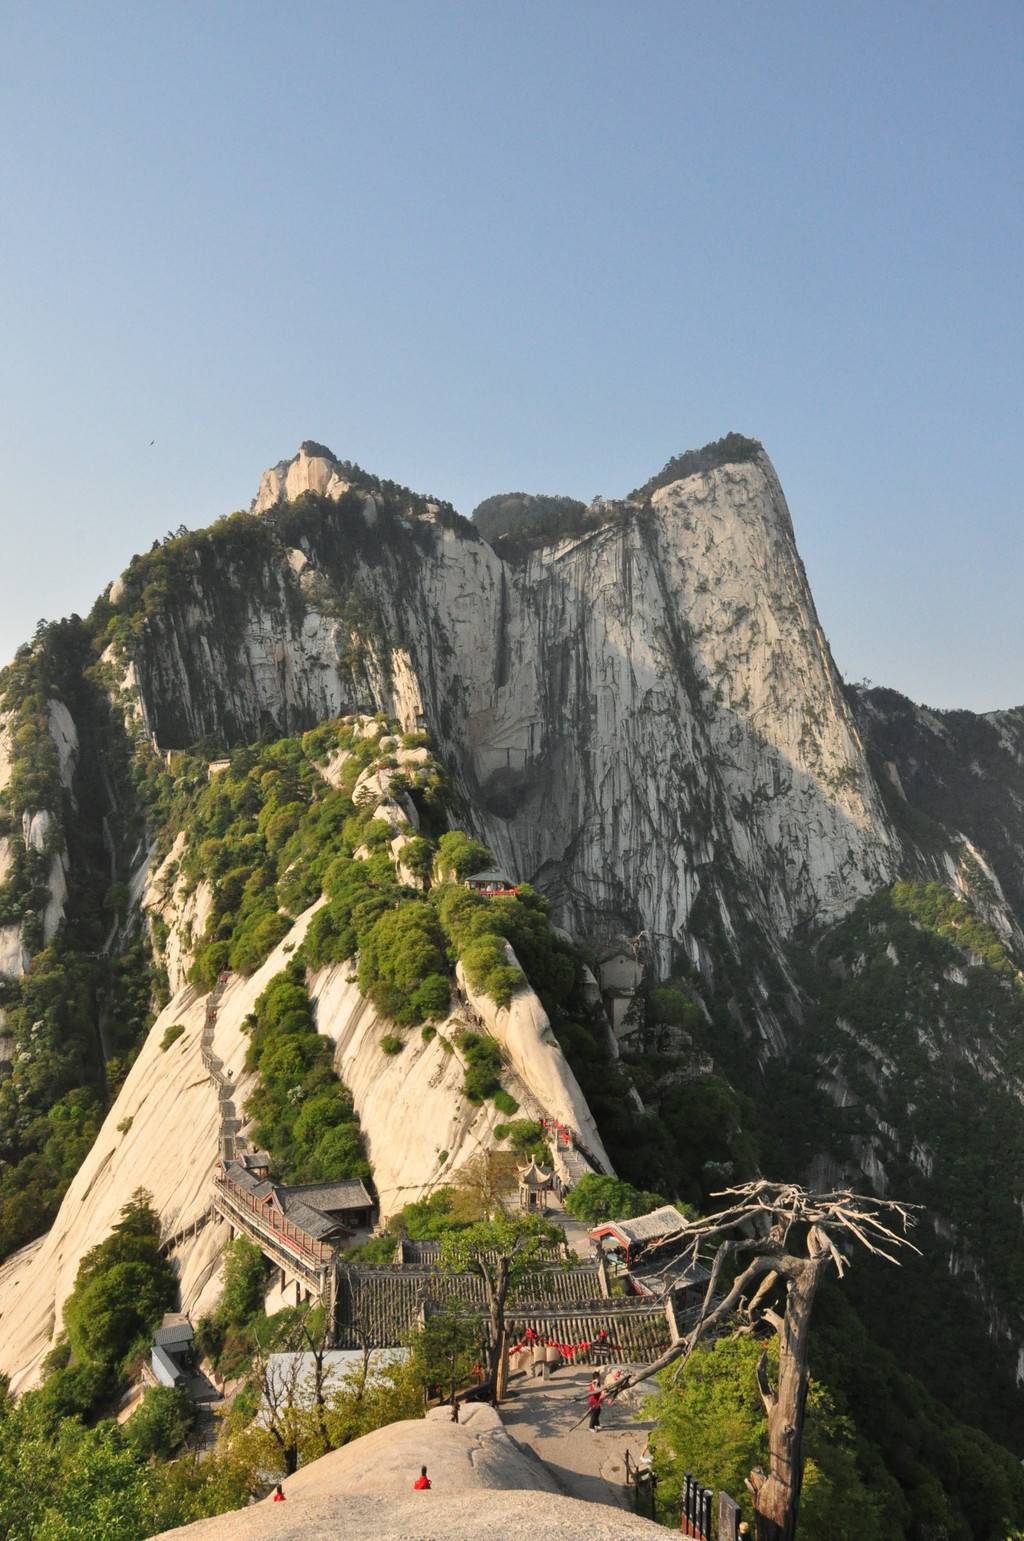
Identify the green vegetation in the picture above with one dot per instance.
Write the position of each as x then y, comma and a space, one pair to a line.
711, 1420
933, 1472
311, 448
303, 1113
669, 1005
505, 1251
932, 906
483, 1067
227, 1335
171, 1035
884, 1460
392, 1044
446, 1348
597, 1198
425, 1220
158, 1427
526, 1137
908, 988
734, 449
697, 1133
52, 1103
515, 522
459, 856
122, 1288
402, 965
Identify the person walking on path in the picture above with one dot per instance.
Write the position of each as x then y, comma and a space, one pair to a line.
594, 1400
422, 1481
279, 1495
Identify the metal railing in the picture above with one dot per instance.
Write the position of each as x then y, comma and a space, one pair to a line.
696, 1516
283, 1249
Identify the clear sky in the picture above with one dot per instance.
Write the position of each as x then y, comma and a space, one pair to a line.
484, 247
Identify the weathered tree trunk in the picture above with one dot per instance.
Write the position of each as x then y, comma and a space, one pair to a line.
498, 1315
496, 1290
777, 1498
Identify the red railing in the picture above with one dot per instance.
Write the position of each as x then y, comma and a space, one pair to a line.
278, 1225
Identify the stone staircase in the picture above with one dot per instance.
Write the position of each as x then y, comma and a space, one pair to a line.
230, 1141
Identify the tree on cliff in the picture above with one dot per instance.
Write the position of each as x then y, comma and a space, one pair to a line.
504, 1252
794, 1238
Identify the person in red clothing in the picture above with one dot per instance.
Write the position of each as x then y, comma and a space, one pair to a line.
422, 1481
279, 1494
595, 1397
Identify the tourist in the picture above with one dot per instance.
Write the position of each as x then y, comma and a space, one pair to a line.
594, 1400
422, 1481
279, 1494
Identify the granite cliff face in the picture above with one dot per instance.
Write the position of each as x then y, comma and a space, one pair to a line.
642, 718
640, 721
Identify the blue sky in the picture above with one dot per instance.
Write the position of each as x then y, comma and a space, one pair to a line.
488, 247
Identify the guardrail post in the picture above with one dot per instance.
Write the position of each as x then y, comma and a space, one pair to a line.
728, 1518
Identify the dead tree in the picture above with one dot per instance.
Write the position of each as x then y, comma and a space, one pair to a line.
794, 1237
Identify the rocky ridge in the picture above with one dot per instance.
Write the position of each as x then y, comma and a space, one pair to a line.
645, 722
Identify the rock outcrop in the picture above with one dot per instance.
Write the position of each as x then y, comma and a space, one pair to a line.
161, 1134
364, 1489
39, 831
289, 479
641, 721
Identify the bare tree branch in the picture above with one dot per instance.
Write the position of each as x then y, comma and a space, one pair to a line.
769, 1219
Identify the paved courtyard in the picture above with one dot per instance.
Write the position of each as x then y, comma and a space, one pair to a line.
551, 1417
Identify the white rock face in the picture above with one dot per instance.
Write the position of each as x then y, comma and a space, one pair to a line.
14, 958
65, 736
410, 1104
635, 719
58, 885
35, 827
36, 830
289, 479
525, 1033
283, 654
169, 1149
185, 914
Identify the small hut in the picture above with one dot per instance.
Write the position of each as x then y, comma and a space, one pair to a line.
534, 1186
255, 1162
643, 1234
490, 882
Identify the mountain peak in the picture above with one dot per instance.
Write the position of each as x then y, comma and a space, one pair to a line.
313, 469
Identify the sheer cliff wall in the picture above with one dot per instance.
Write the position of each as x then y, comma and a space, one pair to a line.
636, 720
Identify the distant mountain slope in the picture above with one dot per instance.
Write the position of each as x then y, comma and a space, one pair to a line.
965, 770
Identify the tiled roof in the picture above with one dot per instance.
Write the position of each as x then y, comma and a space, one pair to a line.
260, 1187
311, 1221
660, 1222
533, 1176
311, 1205
327, 1197
417, 1251
381, 1304
694, 1273
174, 1337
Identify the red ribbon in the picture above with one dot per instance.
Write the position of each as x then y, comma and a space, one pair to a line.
567, 1350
